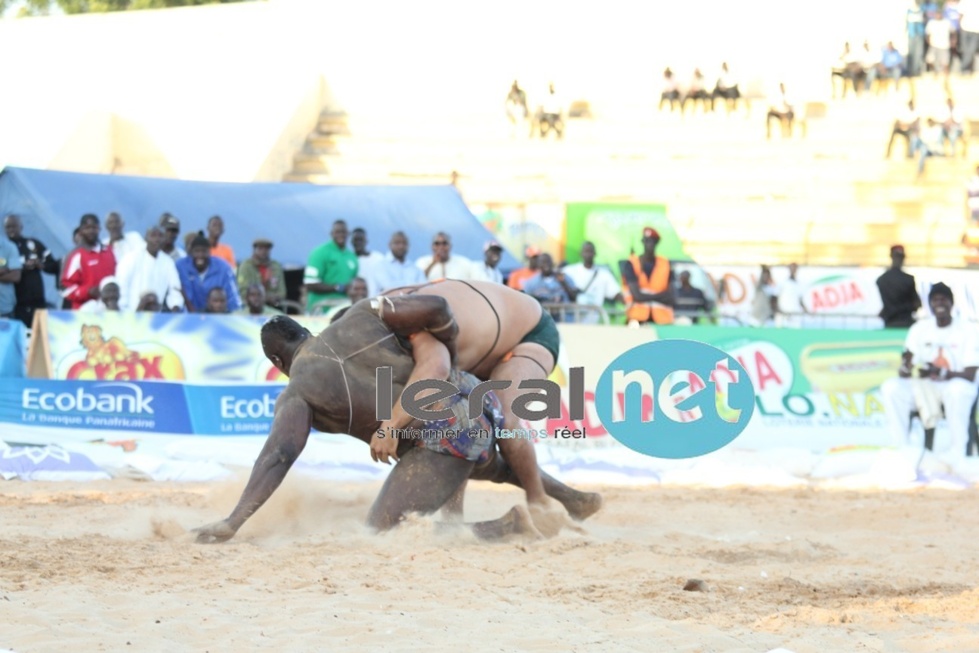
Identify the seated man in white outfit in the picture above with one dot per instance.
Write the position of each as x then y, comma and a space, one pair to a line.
938, 372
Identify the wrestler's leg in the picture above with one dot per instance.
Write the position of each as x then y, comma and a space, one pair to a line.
580, 505
424, 480
452, 509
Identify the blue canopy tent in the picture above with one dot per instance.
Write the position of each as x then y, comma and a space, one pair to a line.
297, 217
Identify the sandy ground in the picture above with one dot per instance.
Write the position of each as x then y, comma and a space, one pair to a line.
109, 566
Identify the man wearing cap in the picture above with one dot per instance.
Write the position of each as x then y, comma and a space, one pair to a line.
329, 268
171, 230
519, 277
261, 269
488, 271
149, 269
35, 258
200, 272
898, 293
395, 271
86, 265
937, 374
647, 284
442, 264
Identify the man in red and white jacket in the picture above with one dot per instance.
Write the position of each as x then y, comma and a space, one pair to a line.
87, 265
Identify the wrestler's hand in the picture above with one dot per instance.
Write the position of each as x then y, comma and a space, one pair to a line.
383, 448
219, 531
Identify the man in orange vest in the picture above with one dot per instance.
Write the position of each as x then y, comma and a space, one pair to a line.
519, 277
647, 284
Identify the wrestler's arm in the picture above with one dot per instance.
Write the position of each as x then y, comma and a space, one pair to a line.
290, 431
431, 362
406, 315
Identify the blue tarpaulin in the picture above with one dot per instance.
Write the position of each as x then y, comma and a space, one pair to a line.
297, 217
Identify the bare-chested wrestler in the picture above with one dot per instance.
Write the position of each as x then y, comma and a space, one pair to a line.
503, 334
348, 354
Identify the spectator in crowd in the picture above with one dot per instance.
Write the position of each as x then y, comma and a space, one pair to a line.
442, 264
396, 271
951, 13
87, 265
726, 88
790, 303
952, 125
108, 299
891, 64
329, 268
765, 302
552, 110
595, 283
969, 34
121, 242
671, 91
552, 287
367, 261
148, 303
519, 277
696, 90
938, 33
217, 300
870, 61
929, 142
200, 272
488, 270
356, 291
850, 68
34, 259
171, 230
189, 238
10, 275
149, 269
691, 303
215, 229
905, 125
898, 293
938, 371
76, 240
647, 283
781, 109
255, 302
260, 268
915, 23
516, 105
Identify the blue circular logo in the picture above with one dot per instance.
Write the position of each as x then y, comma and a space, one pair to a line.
674, 398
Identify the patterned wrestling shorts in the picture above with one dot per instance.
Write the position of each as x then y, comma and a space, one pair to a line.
459, 435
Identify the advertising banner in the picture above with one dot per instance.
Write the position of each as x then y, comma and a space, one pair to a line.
815, 388
159, 347
139, 407
616, 230
839, 291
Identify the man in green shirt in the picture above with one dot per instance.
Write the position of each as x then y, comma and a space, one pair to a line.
329, 269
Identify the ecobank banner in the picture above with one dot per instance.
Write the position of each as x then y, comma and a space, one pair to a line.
814, 388
139, 407
159, 347
12, 349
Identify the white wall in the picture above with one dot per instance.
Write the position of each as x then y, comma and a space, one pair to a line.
224, 91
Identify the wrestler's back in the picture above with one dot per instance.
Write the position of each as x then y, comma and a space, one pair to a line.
364, 344
516, 314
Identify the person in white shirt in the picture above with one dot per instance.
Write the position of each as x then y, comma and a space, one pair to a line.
488, 270
367, 260
596, 284
108, 299
790, 303
937, 375
121, 243
781, 109
443, 264
938, 31
395, 271
149, 269
906, 125
552, 109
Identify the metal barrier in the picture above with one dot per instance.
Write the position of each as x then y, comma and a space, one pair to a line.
291, 307
576, 313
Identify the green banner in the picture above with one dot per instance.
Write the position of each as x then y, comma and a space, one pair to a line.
616, 230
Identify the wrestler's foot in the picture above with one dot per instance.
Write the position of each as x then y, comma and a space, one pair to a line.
582, 505
550, 518
521, 521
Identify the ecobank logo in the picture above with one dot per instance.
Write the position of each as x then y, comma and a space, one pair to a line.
674, 398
